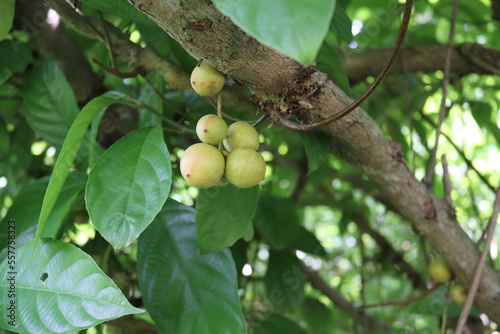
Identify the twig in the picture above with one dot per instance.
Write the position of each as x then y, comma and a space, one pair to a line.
107, 41
344, 112
219, 104
318, 283
468, 162
364, 261
114, 71
490, 231
404, 302
160, 95
445, 318
446, 182
446, 81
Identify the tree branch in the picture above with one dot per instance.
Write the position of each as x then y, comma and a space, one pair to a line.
279, 83
57, 41
336, 297
465, 59
144, 60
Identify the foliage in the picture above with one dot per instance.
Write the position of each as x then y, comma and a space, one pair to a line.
105, 226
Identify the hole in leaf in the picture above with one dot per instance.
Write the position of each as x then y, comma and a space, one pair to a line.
44, 277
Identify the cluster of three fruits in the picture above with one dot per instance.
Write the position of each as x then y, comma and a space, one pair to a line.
203, 165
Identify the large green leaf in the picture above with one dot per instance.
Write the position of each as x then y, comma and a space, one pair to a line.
223, 215
317, 316
341, 25
27, 204
14, 57
58, 289
49, 102
185, 292
294, 27
129, 185
317, 145
120, 8
68, 153
284, 281
7, 8
274, 323
485, 116
329, 63
307, 242
277, 221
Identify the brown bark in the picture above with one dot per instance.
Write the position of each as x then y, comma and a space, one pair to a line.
465, 59
279, 82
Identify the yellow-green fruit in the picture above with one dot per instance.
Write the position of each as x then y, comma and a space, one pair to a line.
211, 129
241, 134
457, 294
202, 165
439, 271
245, 167
223, 181
206, 80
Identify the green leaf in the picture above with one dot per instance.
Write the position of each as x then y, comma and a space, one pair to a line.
129, 185
284, 281
307, 242
49, 102
120, 8
485, 116
317, 145
341, 25
316, 314
223, 215
294, 27
7, 8
329, 63
277, 221
184, 291
27, 204
58, 289
14, 57
277, 324
68, 153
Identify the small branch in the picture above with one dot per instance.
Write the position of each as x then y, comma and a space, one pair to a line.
404, 302
344, 112
468, 162
388, 251
160, 95
339, 301
447, 187
219, 104
490, 231
115, 72
107, 41
446, 81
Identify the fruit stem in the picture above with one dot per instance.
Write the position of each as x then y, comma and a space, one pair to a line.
219, 104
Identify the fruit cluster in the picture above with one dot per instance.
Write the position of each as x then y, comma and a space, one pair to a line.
203, 165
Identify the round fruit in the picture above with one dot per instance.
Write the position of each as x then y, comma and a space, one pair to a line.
457, 294
211, 129
202, 165
439, 271
245, 167
241, 134
206, 80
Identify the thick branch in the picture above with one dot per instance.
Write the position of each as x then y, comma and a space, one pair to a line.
465, 59
145, 60
356, 138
